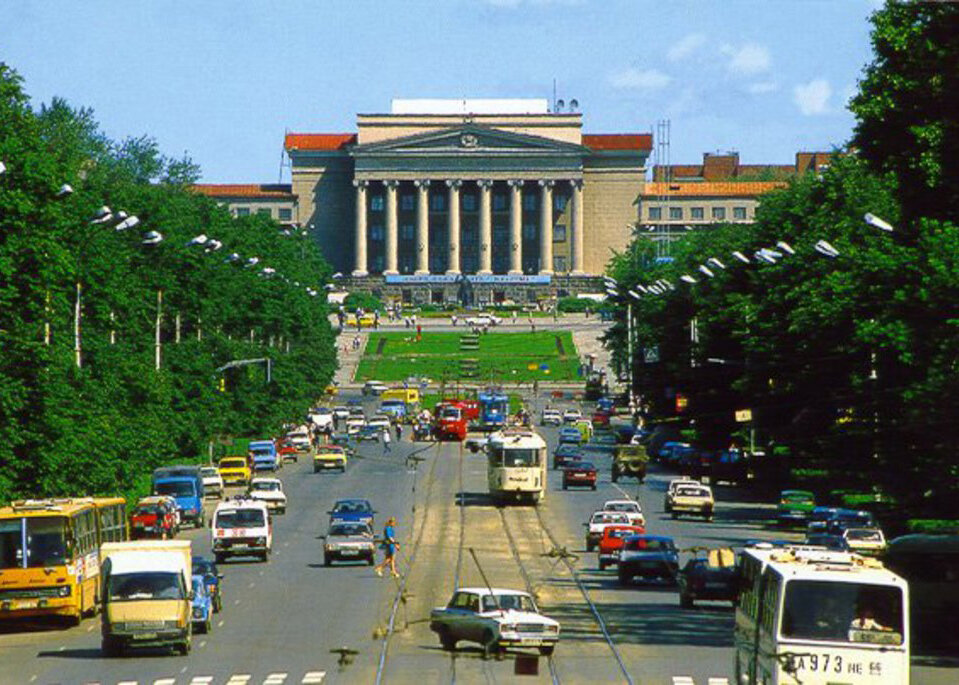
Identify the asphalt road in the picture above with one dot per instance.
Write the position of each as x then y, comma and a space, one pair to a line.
281, 619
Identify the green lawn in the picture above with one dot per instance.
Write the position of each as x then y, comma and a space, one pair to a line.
501, 357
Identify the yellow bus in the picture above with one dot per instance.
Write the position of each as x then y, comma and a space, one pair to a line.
49, 555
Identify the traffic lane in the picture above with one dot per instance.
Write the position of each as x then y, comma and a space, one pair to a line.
273, 617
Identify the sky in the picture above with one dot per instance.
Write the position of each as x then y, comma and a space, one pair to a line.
223, 80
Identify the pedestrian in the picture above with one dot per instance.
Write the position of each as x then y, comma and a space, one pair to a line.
386, 441
390, 547
399, 431
454, 319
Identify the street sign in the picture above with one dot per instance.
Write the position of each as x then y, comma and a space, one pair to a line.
744, 415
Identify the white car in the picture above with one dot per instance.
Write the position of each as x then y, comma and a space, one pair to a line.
598, 522
481, 320
572, 415
241, 528
374, 388
551, 417
321, 417
341, 412
354, 424
496, 619
381, 421
629, 507
300, 439
270, 492
868, 541
476, 442
212, 481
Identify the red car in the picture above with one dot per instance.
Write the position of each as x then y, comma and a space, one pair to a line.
451, 422
600, 418
288, 452
154, 517
612, 542
579, 474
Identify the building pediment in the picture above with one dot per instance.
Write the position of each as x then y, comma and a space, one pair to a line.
469, 140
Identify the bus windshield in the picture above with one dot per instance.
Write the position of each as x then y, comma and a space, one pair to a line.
515, 457
176, 488
136, 586
843, 612
240, 518
45, 542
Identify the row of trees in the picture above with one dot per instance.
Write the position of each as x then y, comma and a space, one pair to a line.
847, 353
83, 408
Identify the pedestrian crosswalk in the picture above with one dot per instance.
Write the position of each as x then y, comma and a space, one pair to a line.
277, 678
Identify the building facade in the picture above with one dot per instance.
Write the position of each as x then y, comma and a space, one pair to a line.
276, 200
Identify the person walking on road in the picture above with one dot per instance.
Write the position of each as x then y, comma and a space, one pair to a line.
390, 546
399, 431
386, 441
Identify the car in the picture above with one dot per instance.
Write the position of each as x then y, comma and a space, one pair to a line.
476, 442
212, 578
612, 542
270, 492
393, 409
835, 543
212, 481
154, 517
711, 576
605, 404
481, 320
570, 434
329, 457
360, 321
665, 453
496, 619
842, 519
288, 452
629, 461
300, 438
585, 428
630, 507
579, 474
649, 557
374, 388
867, 541
572, 415
369, 433
235, 470
202, 606
354, 425
356, 411
551, 417
265, 456
565, 453
349, 541
600, 419
693, 499
341, 412
671, 490
242, 527
342, 440
818, 518
795, 506
352, 510
321, 418
598, 522
731, 466
381, 421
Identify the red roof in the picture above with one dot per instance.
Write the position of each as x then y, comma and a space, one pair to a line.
282, 191
711, 188
618, 141
319, 141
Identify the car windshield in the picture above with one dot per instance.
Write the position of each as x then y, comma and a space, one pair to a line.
138, 586
581, 466
842, 612
508, 602
351, 508
240, 518
147, 510
267, 486
350, 529
649, 544
179, 488
450, 413
623, 506
233, 463
208, 471
199, 589
609, 517
203, 566
863, 535
691, 492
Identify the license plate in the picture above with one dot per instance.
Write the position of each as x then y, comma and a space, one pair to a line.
350, 552
145, 636
531, 642
240, 546
26, 604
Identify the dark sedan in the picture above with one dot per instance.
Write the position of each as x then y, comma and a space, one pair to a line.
566, 453
712, 576
649, 557
579, 474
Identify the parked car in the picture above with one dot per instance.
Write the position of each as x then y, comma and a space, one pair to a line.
374, 388
496, 619
202, 610
693, 499
352, 510
611, 543
551, 417
629, 507
349, 541
212, 578
579, 474
565, 453
270, 492
212, 481
795, 506
598, 522
711, 576
649, 557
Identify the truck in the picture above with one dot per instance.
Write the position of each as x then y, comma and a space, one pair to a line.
147, 602
185, 484
493, 410
265, 456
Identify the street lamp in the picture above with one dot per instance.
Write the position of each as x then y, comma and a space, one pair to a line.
875, 221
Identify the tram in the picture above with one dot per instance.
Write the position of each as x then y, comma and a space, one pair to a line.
516, 465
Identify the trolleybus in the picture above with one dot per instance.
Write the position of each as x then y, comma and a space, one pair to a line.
810, 616
516, 465
49, 555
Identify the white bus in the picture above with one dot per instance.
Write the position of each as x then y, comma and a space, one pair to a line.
516, 465
808, 616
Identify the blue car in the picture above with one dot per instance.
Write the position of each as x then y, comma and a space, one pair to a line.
207, 569
202, 606
359, 510
264, 455
393, 408
570, 434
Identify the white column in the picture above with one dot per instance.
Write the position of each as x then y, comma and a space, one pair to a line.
423, 227
486, 227
359, 242
453, 262
392, 229
516, 228
546, 227
576, 246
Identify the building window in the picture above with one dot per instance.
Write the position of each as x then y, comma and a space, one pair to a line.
407, 202
529, 231
243, 211
499, 202
559, 263
264, 211
719, 213
376, 203
437, 203
559, 233
406, 264
676, 213
407, 231
468, 202
739, 213
696, 213
286, 214
379, 262
655, 213
560, 202
529, 202
376, 232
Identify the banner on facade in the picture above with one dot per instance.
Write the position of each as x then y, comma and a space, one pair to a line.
475, 279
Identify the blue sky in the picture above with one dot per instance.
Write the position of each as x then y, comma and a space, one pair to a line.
223, 80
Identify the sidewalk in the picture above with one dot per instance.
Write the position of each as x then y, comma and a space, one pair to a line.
348, 357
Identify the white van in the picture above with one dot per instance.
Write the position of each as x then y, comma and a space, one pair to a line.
242, 528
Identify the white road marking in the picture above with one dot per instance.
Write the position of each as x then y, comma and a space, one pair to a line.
127, 682
235, 602
33, 677
90, 628
201, 680
683, 680
183, 670
718, 680
314, 677
202, 644
239, 679
220, 624
62, 648
165, 681
252, 585
275, 679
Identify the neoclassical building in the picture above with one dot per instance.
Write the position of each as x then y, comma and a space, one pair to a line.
502, 195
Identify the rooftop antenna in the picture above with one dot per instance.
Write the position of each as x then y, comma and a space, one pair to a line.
284, 161
554, 96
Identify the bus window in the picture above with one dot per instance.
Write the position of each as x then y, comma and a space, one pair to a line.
46, 542
842, 612
11, 543
521, 457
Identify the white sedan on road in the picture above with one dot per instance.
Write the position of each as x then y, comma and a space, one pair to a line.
495, 619
572, 415
481, 320
270, 492
212, 481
